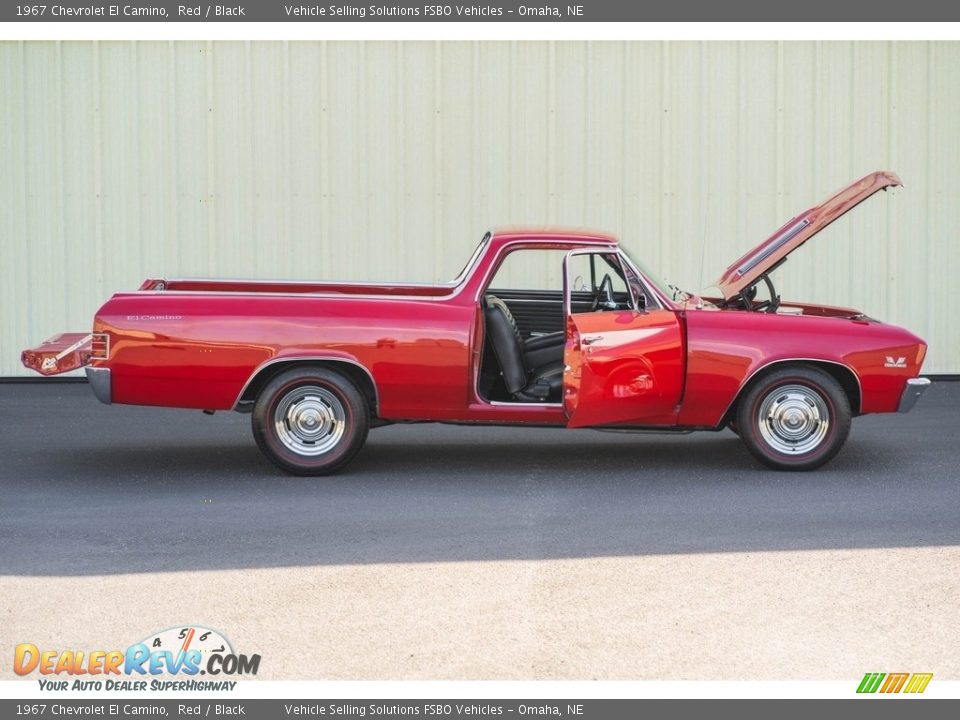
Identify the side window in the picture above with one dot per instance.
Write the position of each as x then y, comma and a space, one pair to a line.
530, 269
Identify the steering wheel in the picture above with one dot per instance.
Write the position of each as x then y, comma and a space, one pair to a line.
771, 305
767, 306
604, 295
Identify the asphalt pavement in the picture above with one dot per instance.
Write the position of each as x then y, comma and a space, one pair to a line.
469, 552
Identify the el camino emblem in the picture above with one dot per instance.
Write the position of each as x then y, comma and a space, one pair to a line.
899, 362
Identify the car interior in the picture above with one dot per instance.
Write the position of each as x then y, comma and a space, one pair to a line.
524, 333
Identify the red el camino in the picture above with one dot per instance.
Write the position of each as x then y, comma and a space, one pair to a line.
605, 345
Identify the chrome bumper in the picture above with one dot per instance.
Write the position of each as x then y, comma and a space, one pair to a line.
99, 379
911, 393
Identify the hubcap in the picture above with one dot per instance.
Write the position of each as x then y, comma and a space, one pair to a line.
793, 419
310, 420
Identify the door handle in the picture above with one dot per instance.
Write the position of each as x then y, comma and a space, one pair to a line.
592, 339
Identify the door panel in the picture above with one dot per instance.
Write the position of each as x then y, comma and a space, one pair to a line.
623, 366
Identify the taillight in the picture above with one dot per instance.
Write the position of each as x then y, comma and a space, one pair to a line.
100, 346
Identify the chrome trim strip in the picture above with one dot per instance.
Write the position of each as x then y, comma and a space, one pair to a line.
521, 300
328, 295
100, 383
307, 358
277, 281
501, 403
788, 235
76, 346
912, 391
789, 360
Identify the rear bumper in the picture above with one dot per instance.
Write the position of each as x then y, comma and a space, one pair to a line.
99, 379
913, 391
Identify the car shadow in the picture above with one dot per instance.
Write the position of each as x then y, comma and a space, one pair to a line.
174, 492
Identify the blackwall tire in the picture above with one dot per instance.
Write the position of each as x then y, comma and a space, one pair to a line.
310, 421
794, 418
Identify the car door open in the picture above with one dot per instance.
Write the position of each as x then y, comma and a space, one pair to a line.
623, 363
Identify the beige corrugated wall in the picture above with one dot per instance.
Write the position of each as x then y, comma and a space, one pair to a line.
122, 160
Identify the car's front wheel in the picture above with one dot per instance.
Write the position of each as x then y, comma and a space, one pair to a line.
310, 420
794, 418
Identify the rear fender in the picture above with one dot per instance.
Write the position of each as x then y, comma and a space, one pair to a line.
349, 366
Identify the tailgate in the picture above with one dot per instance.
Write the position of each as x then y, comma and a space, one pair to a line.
65, 352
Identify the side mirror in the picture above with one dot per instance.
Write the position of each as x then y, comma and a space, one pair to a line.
641, 301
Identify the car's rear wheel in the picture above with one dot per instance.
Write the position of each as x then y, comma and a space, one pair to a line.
310, 420
794, 418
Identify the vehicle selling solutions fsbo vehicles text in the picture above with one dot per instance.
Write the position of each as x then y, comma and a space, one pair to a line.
426, 11
391, 11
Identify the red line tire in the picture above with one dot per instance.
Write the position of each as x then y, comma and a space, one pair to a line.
794, 418
310, 421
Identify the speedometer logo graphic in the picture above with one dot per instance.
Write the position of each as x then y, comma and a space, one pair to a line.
182, 639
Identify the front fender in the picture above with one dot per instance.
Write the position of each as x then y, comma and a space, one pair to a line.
727, 349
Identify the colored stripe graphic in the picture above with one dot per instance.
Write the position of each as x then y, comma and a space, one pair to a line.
870, 682
918, 682
894, 682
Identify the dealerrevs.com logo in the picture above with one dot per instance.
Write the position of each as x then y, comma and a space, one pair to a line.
185, 652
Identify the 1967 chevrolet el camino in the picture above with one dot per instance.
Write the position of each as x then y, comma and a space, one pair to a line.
610, 346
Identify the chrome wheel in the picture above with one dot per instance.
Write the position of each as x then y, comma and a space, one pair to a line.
793, 419
310, 420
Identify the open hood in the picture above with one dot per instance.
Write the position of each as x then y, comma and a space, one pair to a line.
751, 266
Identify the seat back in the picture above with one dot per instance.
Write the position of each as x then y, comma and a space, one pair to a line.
507, 344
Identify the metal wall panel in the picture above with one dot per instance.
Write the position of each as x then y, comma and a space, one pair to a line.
122, 160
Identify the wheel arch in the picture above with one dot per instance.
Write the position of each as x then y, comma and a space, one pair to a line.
357, 373
845, 376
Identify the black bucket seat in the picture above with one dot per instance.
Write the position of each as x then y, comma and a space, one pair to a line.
539, 384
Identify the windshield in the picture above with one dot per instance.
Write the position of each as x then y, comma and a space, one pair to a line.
670, 291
